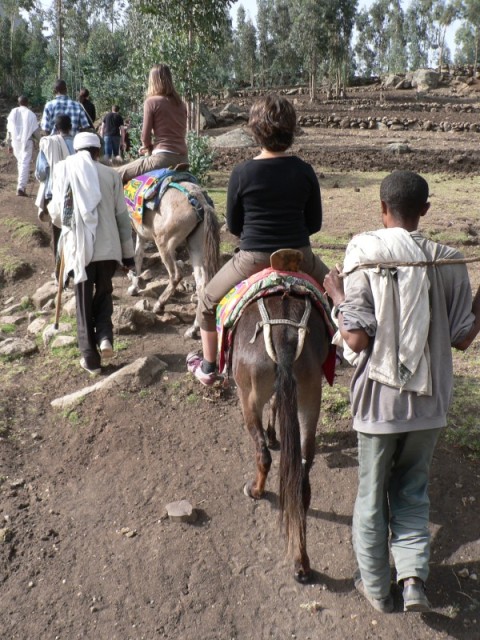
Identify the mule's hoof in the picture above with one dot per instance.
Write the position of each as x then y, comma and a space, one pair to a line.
248, 491
133, 290
274, 445
303, 577
158, 309
191, 332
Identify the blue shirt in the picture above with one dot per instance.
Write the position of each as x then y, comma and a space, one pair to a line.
63, 105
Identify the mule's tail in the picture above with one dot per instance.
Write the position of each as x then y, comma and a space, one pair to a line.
292, 510
211, 239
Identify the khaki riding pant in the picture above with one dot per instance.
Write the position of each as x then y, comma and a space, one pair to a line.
149, 163
242, 265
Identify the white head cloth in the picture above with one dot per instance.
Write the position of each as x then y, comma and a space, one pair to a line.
85, 140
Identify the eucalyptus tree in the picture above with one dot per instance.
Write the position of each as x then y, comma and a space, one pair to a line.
339, 22
417, 26
308, 34
265, 41
469, 36
245, 49
286, 61
193, 29
382, 44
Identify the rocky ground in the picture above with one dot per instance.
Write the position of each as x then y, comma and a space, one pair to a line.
86, 547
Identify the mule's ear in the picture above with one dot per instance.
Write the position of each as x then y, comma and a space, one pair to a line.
286, 260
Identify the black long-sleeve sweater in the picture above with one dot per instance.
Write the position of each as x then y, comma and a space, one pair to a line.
273, 203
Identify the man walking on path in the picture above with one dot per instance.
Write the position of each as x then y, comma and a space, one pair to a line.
22, 126
53, 149
113, 131
63, 105
399, 321
96, 237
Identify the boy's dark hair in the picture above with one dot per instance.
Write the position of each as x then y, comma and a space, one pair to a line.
22, 101
405, 193
63, 123
273, 122
115, 108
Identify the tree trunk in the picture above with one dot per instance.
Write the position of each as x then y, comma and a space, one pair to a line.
60, 39
197, 120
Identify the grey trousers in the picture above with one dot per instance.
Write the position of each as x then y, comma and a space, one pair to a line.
392, 498
149, 163
242, 265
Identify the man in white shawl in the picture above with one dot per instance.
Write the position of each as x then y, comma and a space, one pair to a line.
22, 126
53, 149
96, 238
402, 303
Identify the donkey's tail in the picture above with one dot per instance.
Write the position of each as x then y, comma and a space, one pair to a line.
211, 240
292, 510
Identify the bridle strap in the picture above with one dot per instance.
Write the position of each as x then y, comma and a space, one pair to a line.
266, 324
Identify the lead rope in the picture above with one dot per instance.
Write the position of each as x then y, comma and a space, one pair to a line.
266, 325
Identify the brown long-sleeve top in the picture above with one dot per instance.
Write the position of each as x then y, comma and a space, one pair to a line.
164, 125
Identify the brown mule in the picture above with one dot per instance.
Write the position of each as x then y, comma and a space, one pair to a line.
294, 385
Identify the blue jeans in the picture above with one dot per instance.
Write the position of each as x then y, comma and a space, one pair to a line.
112, 146
392, 498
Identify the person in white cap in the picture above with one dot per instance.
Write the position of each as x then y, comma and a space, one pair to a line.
96, 237
22, 126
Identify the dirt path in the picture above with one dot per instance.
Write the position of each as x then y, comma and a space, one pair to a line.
69, 484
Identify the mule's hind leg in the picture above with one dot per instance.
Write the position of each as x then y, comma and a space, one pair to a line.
272, 440
309, 410
195, 251
253, 421
167, 254
134, 288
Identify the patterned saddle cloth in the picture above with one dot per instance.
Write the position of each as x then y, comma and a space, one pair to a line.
150, 187
265, 283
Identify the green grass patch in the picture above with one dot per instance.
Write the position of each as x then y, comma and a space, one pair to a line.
219, 197
25, 231
463, 425
227, 247
12, 267
335, 404
8, 328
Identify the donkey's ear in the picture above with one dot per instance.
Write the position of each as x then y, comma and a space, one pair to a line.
286, 260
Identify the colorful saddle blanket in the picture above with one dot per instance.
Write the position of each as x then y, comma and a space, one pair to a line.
151, 186
265, 283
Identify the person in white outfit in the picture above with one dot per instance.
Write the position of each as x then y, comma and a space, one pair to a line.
96, 238
22, 126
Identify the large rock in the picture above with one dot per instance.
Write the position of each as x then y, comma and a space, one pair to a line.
46, 292
133, 377
207, 118
17, 347
424, 79
236, 138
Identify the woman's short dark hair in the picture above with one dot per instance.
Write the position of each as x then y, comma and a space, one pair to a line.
273, 122
405, 193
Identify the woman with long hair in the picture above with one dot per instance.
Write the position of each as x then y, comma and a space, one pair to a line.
164, 127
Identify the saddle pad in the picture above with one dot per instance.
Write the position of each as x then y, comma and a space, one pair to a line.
264, 283
150, 186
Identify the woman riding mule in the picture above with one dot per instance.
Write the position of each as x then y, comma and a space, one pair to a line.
273, 202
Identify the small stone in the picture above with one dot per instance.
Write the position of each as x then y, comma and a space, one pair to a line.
473, 576
181, 511
31, 584
16, 484
6, 535
463, 573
